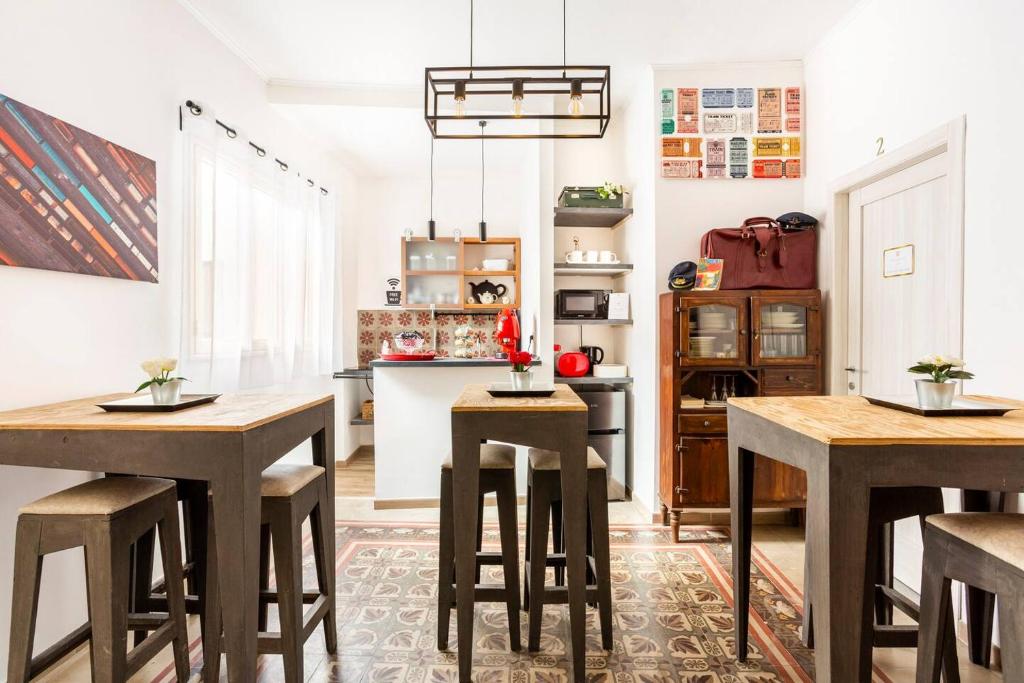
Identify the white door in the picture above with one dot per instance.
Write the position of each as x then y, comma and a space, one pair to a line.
906, 293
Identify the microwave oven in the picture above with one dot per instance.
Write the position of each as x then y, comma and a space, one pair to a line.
588, 304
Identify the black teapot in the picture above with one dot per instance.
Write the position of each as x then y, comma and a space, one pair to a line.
480, 292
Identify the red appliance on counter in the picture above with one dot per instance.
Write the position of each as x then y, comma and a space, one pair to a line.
572, 364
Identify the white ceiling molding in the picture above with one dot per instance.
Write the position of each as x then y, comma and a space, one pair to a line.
225, 39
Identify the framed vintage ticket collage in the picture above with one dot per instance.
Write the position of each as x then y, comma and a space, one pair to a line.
730, 133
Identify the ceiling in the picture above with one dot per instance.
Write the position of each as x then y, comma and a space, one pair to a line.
392, 141
379, 46
390, 43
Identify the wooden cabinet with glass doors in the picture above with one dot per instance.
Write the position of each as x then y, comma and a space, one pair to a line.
442, 273
715, 345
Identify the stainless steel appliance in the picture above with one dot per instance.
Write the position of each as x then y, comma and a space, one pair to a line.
589, 304
607, 432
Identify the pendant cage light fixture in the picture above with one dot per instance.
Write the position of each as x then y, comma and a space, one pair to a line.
447, 91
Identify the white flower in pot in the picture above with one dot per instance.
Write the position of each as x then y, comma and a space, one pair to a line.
166, 390
937, 390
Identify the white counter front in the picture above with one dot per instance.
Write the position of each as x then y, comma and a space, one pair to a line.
412, 425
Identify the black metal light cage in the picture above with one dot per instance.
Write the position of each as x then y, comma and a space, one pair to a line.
439, 84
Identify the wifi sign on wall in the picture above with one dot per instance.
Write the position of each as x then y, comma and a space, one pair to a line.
393, 294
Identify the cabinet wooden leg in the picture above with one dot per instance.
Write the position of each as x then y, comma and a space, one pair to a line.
664, 515
675, 526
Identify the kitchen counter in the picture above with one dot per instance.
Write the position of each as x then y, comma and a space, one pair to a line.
412, 421
445, 363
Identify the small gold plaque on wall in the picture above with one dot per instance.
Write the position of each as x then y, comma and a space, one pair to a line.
898, 261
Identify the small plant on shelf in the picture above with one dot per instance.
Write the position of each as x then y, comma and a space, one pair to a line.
611, 191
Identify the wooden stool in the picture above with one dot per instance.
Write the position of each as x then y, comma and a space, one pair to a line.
498, 476
105, 516
543, 497
289, 494
887, 506
985, 550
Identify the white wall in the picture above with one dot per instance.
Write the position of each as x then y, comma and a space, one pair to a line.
929, 62
685, 209
64, 336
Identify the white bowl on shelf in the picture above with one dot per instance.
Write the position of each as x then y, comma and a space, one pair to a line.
610, 370
495, 264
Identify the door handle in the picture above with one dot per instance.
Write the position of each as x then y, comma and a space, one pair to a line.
850, 369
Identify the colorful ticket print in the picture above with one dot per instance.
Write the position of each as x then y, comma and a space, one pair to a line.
681, 147
72, 201
776, 147
738, 158
686, 110
792, 101
668, 108
733, 132
681, 168
715, 160
719, 122
767, 168
718, 98
769, 110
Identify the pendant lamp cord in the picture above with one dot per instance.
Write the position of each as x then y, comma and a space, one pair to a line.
471, 38
481, 179
431, 177
563, 39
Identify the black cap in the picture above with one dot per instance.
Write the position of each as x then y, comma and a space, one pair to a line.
683, 275
795, 220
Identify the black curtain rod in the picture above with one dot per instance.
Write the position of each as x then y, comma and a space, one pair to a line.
196, 110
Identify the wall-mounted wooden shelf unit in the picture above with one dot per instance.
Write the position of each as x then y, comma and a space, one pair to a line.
439, 272
590, 321
603, 269
585, 217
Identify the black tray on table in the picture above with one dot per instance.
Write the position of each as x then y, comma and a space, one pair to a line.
962, 407
505, 390
144, 404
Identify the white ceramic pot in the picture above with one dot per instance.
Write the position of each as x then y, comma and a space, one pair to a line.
933, 395
167, 393
522, 381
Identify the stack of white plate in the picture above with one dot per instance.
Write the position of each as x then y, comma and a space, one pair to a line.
701, 346
711, 320
781, 318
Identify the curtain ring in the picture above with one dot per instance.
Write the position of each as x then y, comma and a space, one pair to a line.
260, 152
310, 182
284, 166
323, 191
193, 108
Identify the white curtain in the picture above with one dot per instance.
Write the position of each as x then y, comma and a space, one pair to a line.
259, 267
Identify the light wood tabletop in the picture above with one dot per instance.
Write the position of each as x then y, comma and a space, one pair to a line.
851, 420
229, 413
474, 398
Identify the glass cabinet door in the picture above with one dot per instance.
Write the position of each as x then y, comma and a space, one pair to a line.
786, 330
713, 332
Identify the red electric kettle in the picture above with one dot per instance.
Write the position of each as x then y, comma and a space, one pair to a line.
573, 364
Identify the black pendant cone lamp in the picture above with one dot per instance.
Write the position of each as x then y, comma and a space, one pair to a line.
431, 225
483, 223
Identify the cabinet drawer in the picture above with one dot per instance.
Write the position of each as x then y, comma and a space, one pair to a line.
793, 381
703, 424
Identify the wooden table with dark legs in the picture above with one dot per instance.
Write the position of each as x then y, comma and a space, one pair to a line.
847, 446
227, 444
558, 423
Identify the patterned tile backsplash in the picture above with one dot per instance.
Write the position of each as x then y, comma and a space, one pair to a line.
376, 326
